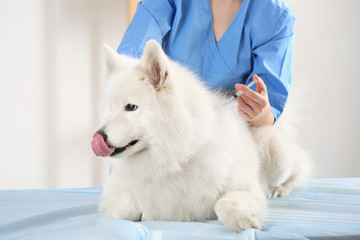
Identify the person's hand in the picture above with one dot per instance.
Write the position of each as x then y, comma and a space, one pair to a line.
254, 106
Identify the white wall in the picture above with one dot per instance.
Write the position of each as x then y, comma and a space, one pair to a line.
21, 94
51, 66
326, 50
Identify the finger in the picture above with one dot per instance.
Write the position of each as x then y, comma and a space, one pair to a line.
260, 85
249, 101
238, 86
257, 108
244, 107
256, 97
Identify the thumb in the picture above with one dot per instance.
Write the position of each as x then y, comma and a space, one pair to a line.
260, 85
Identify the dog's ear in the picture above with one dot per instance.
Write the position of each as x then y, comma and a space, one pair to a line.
111, 57
154, 62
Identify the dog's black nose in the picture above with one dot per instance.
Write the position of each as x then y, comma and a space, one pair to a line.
102, 133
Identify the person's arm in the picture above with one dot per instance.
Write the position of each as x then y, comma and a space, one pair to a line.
272, 63
152, 20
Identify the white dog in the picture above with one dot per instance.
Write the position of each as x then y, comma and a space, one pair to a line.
179, 154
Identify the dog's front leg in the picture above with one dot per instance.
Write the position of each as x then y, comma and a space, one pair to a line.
240, 210
115, 203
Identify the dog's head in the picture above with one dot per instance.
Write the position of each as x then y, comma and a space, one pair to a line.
138, 105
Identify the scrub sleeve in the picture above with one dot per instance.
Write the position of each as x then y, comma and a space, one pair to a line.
152, 20
273, 61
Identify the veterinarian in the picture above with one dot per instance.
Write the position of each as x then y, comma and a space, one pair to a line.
227, 43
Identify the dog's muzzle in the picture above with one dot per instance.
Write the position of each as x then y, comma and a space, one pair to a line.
101, 148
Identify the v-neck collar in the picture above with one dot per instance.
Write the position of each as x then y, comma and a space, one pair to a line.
233, 22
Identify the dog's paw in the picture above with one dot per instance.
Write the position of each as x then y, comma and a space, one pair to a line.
241, 221
241, 210
120, 205
280, 191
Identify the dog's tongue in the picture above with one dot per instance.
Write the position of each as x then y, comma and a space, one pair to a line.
100, 147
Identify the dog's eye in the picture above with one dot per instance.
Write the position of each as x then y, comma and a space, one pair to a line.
130, 107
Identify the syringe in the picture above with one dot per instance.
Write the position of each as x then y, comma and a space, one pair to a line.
238, 93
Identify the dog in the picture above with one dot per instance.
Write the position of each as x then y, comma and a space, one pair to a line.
179, 154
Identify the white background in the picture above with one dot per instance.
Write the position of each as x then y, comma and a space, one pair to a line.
51, 65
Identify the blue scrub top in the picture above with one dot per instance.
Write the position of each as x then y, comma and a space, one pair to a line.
259, 41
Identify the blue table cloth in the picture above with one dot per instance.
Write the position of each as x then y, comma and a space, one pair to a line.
317, 209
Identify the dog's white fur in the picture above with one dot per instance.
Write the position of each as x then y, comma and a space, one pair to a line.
195, 159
